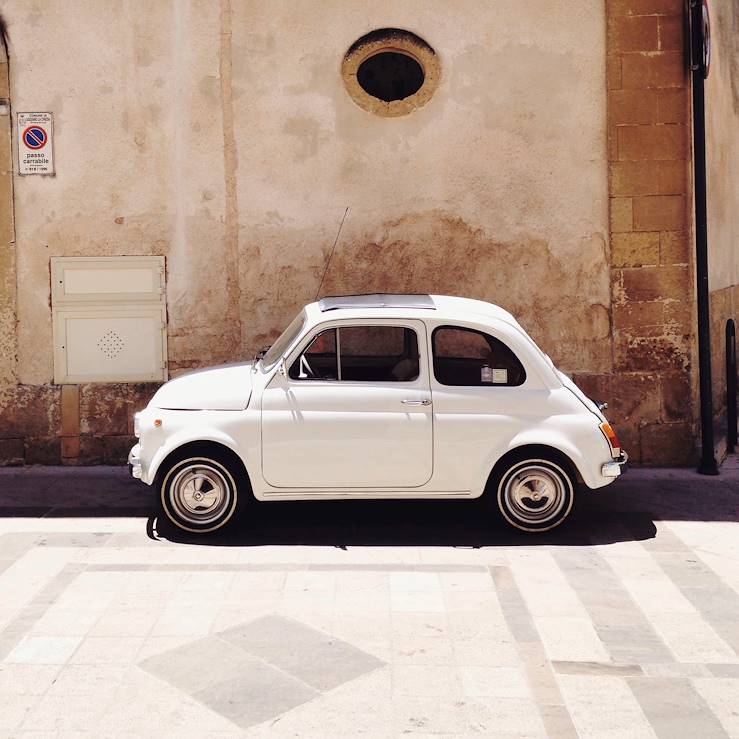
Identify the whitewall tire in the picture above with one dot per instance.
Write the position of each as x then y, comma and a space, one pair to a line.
199, 493
535, 495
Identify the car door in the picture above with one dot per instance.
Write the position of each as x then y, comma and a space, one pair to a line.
352, 410
484, 397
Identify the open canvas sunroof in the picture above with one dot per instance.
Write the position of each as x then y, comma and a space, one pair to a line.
376, 300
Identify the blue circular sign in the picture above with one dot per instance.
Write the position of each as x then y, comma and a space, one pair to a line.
34, 137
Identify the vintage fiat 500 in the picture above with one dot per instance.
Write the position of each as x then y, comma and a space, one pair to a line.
379, 396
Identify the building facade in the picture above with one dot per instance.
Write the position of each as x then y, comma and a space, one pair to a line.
541, 159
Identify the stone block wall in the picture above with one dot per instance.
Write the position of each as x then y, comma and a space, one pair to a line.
69, 424
650, 387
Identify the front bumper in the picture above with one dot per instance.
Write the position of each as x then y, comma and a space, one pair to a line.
134, 462
616, 467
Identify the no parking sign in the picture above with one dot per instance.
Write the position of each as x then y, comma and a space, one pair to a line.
35, 143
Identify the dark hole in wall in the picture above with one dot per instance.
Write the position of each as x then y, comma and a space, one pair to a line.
390, 76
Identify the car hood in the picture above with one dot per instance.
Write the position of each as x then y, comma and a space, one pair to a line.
226, 388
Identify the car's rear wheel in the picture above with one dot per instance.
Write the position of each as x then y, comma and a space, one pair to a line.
199, 492
535, 495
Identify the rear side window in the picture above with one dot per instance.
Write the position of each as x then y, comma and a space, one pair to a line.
463, 356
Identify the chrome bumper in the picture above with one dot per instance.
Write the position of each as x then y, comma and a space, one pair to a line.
134, 462
616, 467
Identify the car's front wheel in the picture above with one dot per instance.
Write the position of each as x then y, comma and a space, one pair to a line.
535, 495
199, 492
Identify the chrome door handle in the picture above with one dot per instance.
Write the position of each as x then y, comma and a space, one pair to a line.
408, 401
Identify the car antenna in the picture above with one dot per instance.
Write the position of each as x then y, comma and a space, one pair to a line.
331, 253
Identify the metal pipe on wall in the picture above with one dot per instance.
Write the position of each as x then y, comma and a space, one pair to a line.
730, 386
699, 43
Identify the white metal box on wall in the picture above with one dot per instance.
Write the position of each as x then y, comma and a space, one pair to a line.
109, 319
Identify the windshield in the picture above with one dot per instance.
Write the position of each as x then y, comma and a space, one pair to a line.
275, 352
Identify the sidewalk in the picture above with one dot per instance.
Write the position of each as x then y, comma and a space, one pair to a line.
375, 618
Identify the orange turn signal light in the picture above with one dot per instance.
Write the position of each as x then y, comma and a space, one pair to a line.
157, 423
610, 435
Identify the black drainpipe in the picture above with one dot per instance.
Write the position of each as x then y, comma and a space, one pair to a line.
730, 386
707, 465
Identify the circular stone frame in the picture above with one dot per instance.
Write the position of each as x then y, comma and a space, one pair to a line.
401, 42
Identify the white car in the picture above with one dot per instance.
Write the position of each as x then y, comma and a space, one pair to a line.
379, 396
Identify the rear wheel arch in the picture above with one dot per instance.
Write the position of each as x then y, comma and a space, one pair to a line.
534, 451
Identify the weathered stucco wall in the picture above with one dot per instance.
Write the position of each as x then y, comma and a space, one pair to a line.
495, 189
139, 155
221, 136
722, 146
722, 136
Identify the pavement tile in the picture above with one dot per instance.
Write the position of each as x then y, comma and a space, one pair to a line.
408, 624
596, 668
106, 633
97, 682
318, 659
104, 650
426, 681
54, 713
720, 693
25, 679
557, 722
723, 670
494, 682
146, 706
422, 651
198, 664
15, 709
257, 692
571, 639
500, 652
414, 581
604, 707
674, 708
416, 601
44, 650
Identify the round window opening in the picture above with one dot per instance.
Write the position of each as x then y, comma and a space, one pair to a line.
390, 76
390, 72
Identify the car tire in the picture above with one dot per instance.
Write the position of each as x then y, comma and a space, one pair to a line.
199, 493
534, 494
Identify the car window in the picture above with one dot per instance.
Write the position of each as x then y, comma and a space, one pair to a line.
360, 354
318, 361
378, 353
275, 352
463, 356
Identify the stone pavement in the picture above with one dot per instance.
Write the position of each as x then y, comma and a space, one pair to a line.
376, 619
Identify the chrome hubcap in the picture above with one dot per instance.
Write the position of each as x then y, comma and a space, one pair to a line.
535, 494
199, 494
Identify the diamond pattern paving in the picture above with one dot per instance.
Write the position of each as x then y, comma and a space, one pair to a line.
260, 669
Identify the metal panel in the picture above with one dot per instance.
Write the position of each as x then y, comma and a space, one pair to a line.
109, 344
109, 319
78, 280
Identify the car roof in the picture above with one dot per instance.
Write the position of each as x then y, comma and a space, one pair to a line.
446, 307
